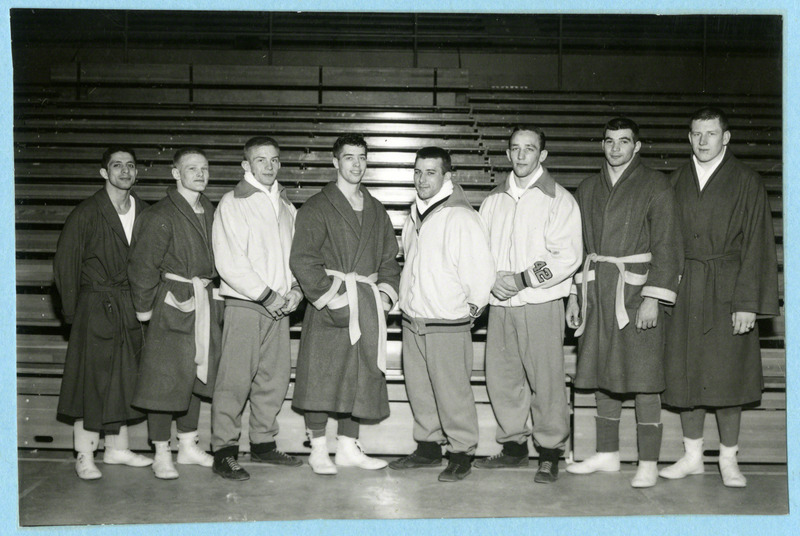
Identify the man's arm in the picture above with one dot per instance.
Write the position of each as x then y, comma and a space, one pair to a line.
468, 246
151, 239
563, 248
389, 269
306, 261
68, 263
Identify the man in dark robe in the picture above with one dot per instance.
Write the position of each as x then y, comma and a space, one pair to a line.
173, 283
633, 260
713, 354
344, 257
90, 271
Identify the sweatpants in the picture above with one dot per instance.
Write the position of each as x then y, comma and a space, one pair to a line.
437, 369
255, 364
525, 373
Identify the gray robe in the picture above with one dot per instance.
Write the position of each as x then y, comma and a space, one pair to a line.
333, 375
105, 342
169, 238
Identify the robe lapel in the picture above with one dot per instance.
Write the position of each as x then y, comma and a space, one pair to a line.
183, 207
110, 215
368, 218
343, 207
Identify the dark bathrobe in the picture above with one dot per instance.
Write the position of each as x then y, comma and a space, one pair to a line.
90, 271
169, 238
636, 215
331, 374
731, 266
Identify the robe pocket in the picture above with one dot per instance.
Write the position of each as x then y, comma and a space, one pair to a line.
727, 272
104, 324
178, 315
339, 318
633, 289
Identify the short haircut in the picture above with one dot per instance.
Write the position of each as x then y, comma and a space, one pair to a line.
180, 153
436, 152
531, 128
116, 149
709, 113
260, 141
348, 139
623, 123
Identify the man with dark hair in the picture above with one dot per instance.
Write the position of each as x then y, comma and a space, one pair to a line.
713, 355
535, 237
172, 274
344, 256
105, 341
633, 260
446, 280
252, 237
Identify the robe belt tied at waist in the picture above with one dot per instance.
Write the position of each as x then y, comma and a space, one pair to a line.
202, 321
350, 298
710, 291
623, 277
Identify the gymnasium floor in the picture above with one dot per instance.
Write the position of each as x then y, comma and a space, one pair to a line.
51, 494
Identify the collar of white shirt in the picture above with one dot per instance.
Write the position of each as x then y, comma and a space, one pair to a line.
704, 173
424, 204
515, 190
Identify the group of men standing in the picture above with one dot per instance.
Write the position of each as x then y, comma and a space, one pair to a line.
662, 276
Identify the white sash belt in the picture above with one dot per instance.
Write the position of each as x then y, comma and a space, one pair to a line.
587, 275
350, 298
202, 322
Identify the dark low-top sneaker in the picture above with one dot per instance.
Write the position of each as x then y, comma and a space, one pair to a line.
275, 457
502, 460
414, 461
454, 472
228, 467
547, 472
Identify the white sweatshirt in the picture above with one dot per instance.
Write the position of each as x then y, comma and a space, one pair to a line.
448, 264
252, 243
537, 236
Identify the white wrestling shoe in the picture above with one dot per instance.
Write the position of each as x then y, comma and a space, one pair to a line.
732, 477
646, 475
162, 463
607, 462
350, 454
691, 463
189, 453
86, 468
319, 459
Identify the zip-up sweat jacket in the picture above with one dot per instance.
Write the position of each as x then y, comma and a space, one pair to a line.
538, 237
252, 244
448, 264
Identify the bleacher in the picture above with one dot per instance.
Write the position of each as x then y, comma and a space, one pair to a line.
61, 129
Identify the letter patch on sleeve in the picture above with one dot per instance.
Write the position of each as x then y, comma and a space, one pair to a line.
541, 271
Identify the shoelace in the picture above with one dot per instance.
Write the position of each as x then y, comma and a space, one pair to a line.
233, 464
546, 467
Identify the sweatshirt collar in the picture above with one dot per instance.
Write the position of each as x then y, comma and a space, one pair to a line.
249, 185
542, 180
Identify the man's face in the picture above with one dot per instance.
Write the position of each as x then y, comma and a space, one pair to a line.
191, 172
429, 177
708, 139
525, 153
121, 171
619, 147
351, 163
264, 162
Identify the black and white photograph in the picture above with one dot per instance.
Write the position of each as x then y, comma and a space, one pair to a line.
402, 264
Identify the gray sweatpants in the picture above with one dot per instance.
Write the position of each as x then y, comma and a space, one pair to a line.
437, 369
255, 364
525, 373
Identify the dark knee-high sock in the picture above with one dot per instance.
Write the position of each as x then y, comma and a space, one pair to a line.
728, 421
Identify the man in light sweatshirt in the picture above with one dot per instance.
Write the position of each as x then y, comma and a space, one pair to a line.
535, 236
252, 238
445, 284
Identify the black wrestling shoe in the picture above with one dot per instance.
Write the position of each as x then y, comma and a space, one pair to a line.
414, 461
547, 472
275, 457
458, 468
502, 460
548, 465
228, 467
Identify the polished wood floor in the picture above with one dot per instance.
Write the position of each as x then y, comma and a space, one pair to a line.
51, 494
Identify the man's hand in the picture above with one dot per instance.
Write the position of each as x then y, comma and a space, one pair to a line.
274, 308
504, 285
647, 315
743, 322
293, 299
573, 312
